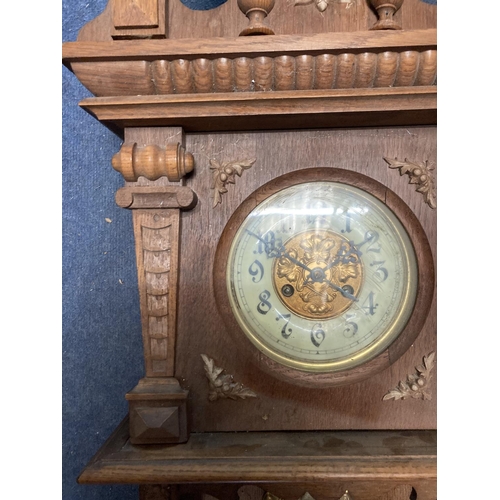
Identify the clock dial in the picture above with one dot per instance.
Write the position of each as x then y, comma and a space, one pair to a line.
321, 276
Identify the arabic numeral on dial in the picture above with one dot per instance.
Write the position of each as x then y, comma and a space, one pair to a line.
381, 272
348, 219
351, 328
285, 333
264, 306
256, 270
372, 237
266, 243
369, 304
317, 334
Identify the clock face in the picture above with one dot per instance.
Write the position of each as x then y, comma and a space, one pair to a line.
321, 276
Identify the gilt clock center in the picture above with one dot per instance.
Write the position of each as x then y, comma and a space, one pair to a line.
317, 274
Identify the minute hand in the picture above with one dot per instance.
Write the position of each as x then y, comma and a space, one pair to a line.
295, 261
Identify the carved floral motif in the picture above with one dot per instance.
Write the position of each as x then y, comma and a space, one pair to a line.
225, 173
321, 5
334, 263
419, 173
415, 384
222, 386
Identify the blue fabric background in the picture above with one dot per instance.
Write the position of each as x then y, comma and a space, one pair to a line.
102, 346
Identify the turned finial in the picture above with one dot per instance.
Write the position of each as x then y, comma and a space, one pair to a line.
385, 12
256, 12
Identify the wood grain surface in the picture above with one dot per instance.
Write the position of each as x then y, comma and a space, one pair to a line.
271, 110
227, 20
256, 64
201, 329
368, 464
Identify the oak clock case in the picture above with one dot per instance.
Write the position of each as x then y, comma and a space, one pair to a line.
322, 278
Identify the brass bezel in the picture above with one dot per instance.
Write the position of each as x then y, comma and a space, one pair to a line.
383, 341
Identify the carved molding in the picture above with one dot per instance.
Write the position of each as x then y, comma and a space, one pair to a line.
361, 60
416, 384
153, 161
156, 197
420, 173
157, 240
225, 173
222, 386
324, 71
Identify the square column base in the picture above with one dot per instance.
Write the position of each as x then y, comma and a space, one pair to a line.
157, 412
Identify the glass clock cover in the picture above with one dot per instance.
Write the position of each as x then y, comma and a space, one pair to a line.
321, 276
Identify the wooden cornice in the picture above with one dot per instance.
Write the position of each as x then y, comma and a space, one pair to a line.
270, 110
368, 78
358, 41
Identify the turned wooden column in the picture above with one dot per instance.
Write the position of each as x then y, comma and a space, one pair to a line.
154, 163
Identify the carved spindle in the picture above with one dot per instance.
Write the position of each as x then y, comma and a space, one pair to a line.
243, 74
346, 65
325, 71
284, 72
223, 74
256, 11
304, 72
153, 162
263, 73
385, 11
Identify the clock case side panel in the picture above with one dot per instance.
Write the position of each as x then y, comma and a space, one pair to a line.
202, 330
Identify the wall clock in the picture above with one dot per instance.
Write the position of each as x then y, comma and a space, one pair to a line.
321, 275
283, 214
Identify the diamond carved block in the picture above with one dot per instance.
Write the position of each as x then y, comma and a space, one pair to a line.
157, 412
153, 423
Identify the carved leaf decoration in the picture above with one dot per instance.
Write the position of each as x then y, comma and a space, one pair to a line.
419, 173
222, 386
321, 5
429, 361
225, 173
415, 385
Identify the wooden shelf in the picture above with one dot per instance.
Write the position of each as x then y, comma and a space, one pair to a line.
349, 457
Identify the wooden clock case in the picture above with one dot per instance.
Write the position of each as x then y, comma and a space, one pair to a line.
194, 102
